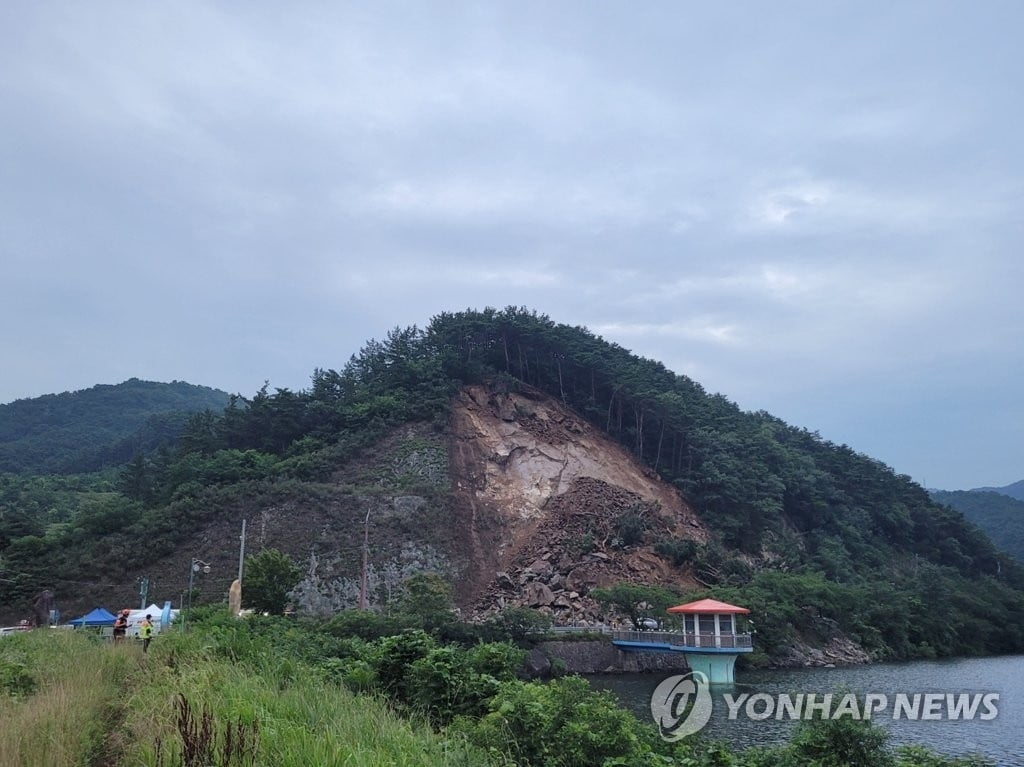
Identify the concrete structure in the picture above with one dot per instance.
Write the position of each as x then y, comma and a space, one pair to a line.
709, 638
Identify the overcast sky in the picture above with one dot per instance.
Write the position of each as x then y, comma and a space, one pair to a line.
812, 208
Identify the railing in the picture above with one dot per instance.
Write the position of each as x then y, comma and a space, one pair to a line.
673, 638
685, 639
581, 629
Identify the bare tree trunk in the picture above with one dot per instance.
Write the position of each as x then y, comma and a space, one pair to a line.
638, 411
524, 368
558, 364
661, 438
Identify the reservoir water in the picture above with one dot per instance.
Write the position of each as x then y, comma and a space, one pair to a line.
1000, 739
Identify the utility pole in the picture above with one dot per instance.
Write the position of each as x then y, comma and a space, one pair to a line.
143, 591
241, 554
366, 549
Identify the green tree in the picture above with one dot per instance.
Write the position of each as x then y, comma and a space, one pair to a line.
517, 623
563, 723
269, 576
635, 600
427, 596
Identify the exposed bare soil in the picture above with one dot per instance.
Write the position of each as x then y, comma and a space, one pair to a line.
542, 490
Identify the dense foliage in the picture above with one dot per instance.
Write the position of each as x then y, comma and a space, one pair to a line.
269, 576
813, 536
636, 601
86, 430
1000, 516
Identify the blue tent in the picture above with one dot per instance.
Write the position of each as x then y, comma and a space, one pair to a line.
98, 617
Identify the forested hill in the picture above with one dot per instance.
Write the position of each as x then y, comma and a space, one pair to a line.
814, 537
761, 483
999, 515
106, 425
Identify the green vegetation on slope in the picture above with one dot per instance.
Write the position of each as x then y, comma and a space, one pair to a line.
83, 431
1000, 516
806, 529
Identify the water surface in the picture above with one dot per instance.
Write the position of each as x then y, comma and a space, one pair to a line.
1001, 739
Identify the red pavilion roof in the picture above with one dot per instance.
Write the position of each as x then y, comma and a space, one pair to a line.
706, 606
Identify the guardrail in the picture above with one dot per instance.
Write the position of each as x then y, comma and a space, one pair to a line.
681, 639
673, 638
577, 630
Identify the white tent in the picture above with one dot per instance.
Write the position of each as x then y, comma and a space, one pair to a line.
154, 612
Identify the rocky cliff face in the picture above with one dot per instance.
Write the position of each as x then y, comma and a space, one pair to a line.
543, 496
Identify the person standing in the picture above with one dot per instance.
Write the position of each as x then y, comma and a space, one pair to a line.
146, 632
120, 626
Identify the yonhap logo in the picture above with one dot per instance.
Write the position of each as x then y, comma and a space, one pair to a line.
681, 705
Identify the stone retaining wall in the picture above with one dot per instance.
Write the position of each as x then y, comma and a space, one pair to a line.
600, 656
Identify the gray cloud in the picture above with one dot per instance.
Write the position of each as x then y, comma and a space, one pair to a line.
812, 210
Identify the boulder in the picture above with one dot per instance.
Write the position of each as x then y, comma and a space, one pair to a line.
541, 567
537, 665
538, 595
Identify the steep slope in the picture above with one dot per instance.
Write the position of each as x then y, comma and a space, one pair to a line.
85, 430
535, 484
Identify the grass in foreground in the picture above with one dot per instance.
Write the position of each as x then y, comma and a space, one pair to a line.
69, 700
63, 703
299, 716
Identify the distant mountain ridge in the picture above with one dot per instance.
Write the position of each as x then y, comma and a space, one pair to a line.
1014, 490
104, 425
999, 515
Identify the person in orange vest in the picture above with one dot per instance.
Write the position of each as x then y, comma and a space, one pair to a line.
146, 632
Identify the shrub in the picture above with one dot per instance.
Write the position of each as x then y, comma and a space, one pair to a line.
515, 624
678, 551
630, 528
15, 678
841, 742
367, 624
392, 656
558, 724
450, 681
